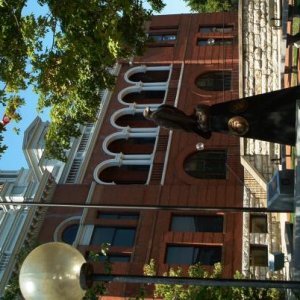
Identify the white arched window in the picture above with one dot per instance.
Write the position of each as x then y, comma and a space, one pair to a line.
148, 75
143, 95
132, 145
123, 171
132, 118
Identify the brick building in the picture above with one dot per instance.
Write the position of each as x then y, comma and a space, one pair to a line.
191, 59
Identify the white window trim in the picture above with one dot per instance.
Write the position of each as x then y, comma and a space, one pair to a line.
131, 110
126, 134
144, 69
119, 161
138, 87
63, 224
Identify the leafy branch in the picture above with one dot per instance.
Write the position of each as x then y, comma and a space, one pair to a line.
100, 288
88, 38
180, 292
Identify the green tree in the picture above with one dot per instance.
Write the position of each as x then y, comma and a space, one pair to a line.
212, 5
12, 290
180, 292
87, 39
99, 288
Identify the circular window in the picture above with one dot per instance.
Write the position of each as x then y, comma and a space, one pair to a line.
69, 234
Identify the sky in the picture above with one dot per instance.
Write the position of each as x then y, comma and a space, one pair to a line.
13, 158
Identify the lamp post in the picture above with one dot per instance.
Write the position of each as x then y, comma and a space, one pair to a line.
143, 207
59, 271
52, 271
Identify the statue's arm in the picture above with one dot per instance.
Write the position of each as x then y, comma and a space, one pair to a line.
171, 109
206, 135
166, 106
203, 107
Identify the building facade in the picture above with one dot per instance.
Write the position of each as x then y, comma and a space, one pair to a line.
123, 160
190, 59
19, 225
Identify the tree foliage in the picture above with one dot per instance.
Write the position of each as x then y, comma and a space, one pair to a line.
180, 292
209, 6
66, 56
12, 290
99, 288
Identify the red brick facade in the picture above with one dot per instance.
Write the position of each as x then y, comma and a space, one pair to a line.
162, 166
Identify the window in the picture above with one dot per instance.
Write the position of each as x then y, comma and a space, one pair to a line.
69, 234
207, 164
143, 140
216, 28
204, 223
159, 39
164, 27
115, 236
118, 216
135, 121
18, 190
188, 255
150, 76
214, 81
258, 223
162, 37
126, 174
214, 42
8, 176
145, 97
259, 255
115, 258
133, 145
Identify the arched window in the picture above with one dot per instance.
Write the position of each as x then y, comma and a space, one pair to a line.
150, 76
135, 121
214, 81
145, 97
207, 164
138, 145
125, 174
69, 234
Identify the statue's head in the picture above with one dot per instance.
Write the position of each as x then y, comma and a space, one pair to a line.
238, 125
147, 113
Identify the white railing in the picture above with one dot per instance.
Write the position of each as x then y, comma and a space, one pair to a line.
82, 147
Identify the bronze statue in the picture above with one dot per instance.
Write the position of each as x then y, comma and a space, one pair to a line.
269, 117
170, 117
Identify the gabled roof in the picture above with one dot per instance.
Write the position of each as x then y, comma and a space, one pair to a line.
29, 133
